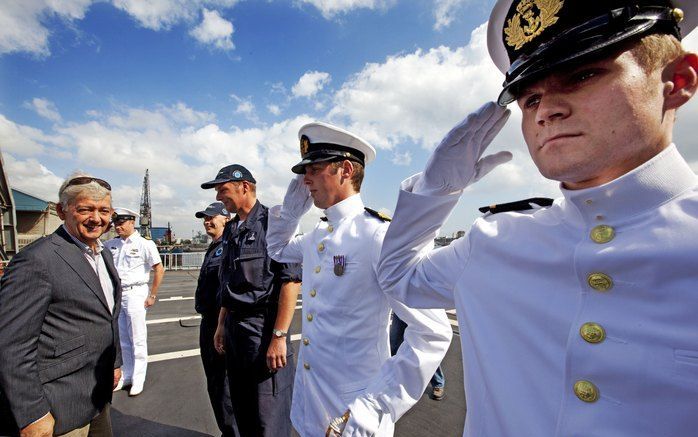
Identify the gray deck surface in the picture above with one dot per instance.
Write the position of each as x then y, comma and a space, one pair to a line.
175, 404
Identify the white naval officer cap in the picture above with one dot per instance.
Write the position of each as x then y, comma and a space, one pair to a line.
321, 142
124, 214
526, 39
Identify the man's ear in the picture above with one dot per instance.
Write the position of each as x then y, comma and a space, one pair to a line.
683, 83
59, 211
347, 169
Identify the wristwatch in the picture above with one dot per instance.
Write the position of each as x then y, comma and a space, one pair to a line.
152, 296
277, 333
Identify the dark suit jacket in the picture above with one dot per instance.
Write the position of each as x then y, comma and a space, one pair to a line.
59, 343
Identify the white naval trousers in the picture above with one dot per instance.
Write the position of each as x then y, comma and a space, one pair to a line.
133, 334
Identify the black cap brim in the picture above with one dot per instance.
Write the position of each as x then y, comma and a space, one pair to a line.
300, 167
213, 183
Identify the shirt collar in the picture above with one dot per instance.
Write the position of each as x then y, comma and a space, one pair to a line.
655, 182
84, 247
350, 206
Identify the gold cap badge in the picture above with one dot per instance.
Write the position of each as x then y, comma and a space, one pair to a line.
305, 144
532, 17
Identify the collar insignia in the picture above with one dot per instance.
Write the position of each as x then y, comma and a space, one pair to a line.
532, 17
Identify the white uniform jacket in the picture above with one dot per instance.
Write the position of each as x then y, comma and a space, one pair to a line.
134, 257
568, 328
344, 360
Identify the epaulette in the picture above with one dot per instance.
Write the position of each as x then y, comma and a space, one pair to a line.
378, 215
519, 205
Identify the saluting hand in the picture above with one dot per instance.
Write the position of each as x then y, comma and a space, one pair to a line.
457, 161
297, 200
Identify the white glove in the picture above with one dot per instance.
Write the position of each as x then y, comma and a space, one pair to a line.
456, 161
297, 200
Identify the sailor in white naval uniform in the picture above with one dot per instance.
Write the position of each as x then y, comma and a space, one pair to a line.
577, 319
134, 258
344, 367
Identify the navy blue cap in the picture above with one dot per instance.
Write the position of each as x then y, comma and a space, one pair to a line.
214, 209
231, 173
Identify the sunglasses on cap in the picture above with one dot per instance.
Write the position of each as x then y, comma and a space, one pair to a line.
84, 180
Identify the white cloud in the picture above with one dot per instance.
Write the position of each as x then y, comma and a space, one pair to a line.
331, 8
274, 109
214, 30
32, 177
21, 23
310, 84
163, 14
418, 96
245, 107
44, 108
182, 148
20, 139
401, 158
444, 11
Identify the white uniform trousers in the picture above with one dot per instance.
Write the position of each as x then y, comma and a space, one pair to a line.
133, 334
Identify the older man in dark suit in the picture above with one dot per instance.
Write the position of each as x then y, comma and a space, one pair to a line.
59, 339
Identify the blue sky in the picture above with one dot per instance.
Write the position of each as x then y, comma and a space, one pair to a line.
184, 87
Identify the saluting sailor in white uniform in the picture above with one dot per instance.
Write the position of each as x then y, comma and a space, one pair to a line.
579, 319
134, 258
344, 368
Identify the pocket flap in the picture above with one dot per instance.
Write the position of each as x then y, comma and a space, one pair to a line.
63, 368
70, 345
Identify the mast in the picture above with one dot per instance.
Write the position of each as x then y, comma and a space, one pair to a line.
145, 220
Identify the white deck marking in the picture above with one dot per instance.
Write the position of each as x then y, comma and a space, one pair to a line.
169, 299
171, 319
190, 353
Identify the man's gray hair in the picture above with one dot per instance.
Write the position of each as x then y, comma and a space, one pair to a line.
68, 194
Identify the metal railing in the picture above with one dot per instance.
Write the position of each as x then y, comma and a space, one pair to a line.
26, 239
182, 261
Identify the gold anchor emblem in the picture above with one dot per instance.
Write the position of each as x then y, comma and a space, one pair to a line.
532, 17
305, 144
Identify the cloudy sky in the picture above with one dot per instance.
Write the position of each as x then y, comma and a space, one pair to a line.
184, 87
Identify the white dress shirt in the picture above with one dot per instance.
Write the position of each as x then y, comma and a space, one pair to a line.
134, 257
344, 360
94, 257
580, 319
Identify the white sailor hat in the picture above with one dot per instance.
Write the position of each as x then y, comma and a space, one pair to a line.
528, 38
124, 214
323, 142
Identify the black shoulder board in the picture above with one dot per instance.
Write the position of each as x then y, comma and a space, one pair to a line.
519, 205
378, 215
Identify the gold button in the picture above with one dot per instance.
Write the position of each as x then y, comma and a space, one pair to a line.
677, 14
317, 269
588, 201
330, 228
306, 341
320, 247
600, 281
307, 366
586, 391
309, 317
313, 293
592, 332
602, 234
